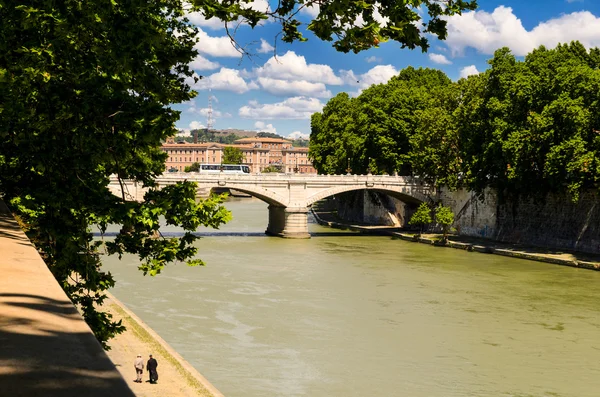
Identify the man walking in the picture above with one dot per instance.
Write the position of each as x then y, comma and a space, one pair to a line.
139, 368
151, 366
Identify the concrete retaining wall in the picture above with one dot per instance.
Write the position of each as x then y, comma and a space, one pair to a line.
555, 222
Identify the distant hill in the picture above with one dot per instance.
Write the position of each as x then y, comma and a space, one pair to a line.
230, 135
233, 131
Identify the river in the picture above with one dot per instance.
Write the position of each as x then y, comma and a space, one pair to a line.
344, 314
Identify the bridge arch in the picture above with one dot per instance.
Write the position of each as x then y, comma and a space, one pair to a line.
404, 193
266, 195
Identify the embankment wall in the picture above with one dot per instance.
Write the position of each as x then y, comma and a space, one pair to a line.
555, 222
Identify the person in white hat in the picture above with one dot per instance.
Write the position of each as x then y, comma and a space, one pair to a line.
139, 368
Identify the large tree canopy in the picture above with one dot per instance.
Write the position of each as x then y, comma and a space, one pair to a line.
522, 127
373, 131
352, 25
85, 89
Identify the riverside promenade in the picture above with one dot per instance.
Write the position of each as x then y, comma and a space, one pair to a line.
47, 349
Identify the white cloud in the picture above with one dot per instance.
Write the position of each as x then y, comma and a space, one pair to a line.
291, 66
312, 10
291, 108
486, 32
265, 47
373, 59
468, 71
201, 63
198, 19
376, 75
287, 88
298, 135
225, 79
196, 125
262, 127
439, 58
216, 46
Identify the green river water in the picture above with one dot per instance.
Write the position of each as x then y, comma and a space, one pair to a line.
347, 315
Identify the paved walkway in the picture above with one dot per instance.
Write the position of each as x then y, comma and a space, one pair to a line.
46, 348
176, 378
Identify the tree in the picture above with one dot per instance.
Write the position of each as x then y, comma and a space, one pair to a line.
232, 155
373, 131
444, 217
421, 217
195, 167
84, 94
271, 168
531, 127
354, 25
85, 89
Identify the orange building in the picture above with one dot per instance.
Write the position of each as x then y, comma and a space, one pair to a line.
259, 153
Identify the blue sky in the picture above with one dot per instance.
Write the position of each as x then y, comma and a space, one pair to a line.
264, 94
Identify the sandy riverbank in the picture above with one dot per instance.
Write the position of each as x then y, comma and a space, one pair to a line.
177, 378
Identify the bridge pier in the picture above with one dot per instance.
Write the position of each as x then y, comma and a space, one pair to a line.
288, 222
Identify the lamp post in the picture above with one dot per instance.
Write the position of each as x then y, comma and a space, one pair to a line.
348, 170
369, 167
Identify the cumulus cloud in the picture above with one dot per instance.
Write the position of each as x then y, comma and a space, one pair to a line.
265, 47
298, 135
373, 59
196, 125
225, 79
291, 66
440, 59
201, 63
291, 108
198, 18
468, 71
221, 46
376, 75
263, 127
312, 10
487, 32
286, 88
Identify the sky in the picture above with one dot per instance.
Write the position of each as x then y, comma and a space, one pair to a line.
264, 93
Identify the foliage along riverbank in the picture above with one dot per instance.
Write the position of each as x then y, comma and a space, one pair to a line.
523, 127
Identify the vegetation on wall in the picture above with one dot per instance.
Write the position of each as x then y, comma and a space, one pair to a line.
521, 127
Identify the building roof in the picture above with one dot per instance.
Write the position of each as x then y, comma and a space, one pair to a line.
296, 149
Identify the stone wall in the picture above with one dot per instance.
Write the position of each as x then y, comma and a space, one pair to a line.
555, 222
473, 216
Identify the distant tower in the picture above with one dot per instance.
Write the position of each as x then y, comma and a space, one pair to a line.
209, 113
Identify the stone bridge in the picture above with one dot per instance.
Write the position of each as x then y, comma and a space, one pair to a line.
290, 195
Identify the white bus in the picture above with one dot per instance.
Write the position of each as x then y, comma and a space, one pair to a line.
224, 168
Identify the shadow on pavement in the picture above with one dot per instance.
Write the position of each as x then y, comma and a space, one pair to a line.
45, 351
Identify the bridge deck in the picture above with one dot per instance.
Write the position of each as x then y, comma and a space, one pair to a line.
46, 348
